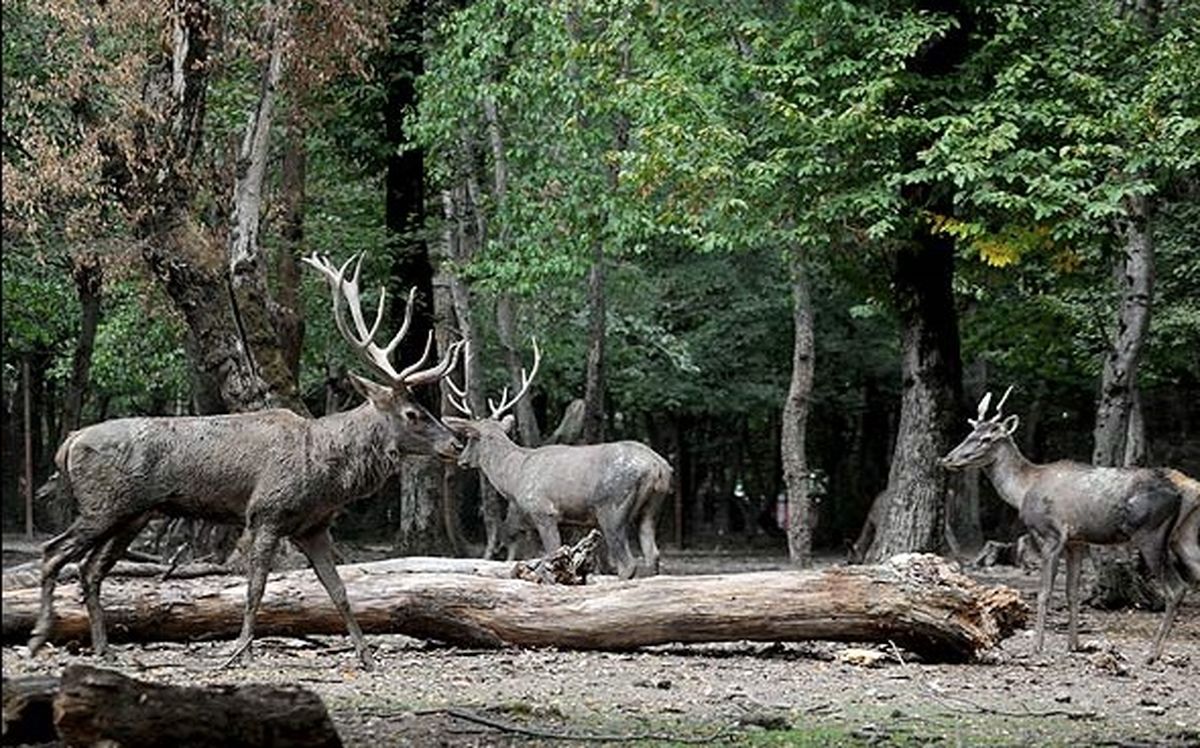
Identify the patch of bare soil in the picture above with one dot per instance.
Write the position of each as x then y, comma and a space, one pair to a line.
725, 694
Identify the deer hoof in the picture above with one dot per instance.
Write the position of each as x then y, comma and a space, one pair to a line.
366, 659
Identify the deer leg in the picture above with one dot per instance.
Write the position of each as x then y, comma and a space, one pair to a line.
615, 533
318, 547
263, 542
646, 538
71, 545
1052, 550
547, 528
99, 562
1074, 562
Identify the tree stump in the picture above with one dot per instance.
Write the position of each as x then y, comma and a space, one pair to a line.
91, 706
28, 710
918, 601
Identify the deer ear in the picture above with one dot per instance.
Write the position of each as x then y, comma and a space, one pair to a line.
507, 423
379, 395
1010, 424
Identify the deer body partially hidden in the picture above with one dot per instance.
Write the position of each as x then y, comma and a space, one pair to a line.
1068, 505
275, 472
614, 485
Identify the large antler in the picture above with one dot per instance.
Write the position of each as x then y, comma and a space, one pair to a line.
362, 338
463, 403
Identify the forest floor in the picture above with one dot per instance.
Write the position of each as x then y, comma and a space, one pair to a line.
743, 694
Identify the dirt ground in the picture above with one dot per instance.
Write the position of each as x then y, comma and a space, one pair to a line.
744, 694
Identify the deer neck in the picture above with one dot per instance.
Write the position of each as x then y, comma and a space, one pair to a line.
499, 459
1010, 473
360, 444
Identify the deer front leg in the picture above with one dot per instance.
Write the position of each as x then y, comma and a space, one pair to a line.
1050, 555
317, 546
1074, 562
263, 542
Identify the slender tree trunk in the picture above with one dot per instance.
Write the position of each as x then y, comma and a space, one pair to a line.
593, 392
252, 303
89, 277
1119, 436
1118, 379
931, 374
289, 309
795, 414
527, 425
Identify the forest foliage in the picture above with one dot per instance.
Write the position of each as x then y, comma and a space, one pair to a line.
704, 147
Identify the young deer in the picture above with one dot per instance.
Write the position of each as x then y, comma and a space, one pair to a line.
1068, 505
612, 484
279, 474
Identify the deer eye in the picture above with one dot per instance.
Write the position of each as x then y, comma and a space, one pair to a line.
412, 415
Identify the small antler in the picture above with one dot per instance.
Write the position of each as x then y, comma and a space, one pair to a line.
983, 408
363, 340
526, 380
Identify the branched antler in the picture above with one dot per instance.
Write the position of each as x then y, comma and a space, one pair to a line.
362, 338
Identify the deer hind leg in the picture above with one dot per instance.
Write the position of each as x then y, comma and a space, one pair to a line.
317, 546
1158, 557
614, 527
263, 542
547, 530
99, 562
71, 545
647, 533
1074, 562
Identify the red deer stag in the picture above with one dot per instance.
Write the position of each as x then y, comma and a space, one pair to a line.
612, 484
1068, 505
279, 474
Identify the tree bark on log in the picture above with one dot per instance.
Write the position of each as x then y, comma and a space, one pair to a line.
91, 706
918, 601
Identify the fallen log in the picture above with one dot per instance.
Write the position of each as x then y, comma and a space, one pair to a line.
92, 706
29, 574
919, 602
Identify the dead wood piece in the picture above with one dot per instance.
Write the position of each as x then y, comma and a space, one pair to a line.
567, 565
919, 601
95, 706
28, 710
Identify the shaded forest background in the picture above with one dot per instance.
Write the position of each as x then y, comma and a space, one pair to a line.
645, 189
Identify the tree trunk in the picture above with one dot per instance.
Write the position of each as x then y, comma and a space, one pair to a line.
103, 707
89, 280
252, 303
593, 391
795, 414
931, 375
1118, 380
289, 309
1119, 437
422, 529
916, 601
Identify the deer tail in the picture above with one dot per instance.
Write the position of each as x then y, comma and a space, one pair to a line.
62, 477
1184, 540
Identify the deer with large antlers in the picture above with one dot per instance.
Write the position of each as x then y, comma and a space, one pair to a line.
612, 484
277, 473
1068, 505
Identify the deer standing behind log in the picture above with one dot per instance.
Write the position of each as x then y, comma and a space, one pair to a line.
1068, 505
613, 484
278, 473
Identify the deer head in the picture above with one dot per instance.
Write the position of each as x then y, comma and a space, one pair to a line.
497, 424
412, 427
979, 446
